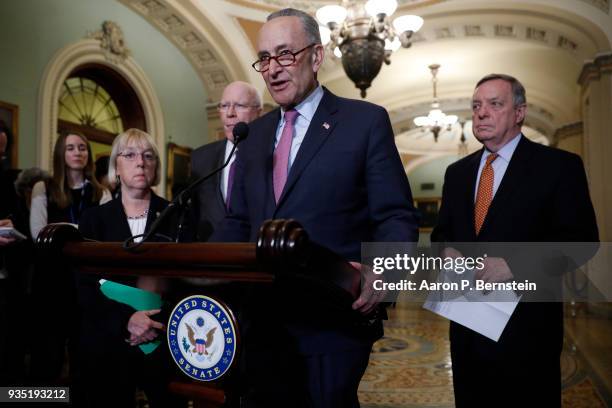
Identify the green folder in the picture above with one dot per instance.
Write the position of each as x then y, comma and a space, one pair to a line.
139, 299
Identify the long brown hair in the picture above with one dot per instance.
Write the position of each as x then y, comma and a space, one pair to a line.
59, 190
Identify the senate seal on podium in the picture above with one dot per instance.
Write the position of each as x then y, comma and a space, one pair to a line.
202, 336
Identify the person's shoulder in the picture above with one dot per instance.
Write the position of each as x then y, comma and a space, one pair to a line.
273, 115
260, 126
355, 107
100, 210
464, 163
356, 103
95, 218
158, 203
209, 147
552, 154
39, 187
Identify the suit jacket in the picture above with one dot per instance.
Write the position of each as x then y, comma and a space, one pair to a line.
543, 197
109, 368
105, 318
346, 186
209, 207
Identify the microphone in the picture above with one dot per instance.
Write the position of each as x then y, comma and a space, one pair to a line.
240, 133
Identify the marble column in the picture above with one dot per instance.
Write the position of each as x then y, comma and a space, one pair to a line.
595, 81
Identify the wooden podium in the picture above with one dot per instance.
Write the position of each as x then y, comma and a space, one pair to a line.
282, 249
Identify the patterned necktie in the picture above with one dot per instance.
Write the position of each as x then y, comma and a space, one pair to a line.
230, 180
280, 167
485, 192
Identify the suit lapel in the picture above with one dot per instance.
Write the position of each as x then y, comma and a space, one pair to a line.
155, 208
321, 126
472, 175
119, 214
515, 174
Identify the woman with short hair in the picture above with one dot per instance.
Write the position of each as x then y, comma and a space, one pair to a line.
112, 364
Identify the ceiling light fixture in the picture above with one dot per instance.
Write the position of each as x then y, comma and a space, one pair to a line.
363, 36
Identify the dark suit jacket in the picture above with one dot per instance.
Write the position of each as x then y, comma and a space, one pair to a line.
110, 369
209, 207
346, 186
543, 197
108, 223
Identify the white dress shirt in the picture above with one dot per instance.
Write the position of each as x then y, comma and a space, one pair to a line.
500, 164
225, 171
306, 110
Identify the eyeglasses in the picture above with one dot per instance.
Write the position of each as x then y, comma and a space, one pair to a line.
146, 156
285, 58
238, 107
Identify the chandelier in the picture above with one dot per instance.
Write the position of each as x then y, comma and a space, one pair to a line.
436, 120
363, 36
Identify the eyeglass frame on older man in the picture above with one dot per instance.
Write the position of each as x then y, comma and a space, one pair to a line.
284, 53
225, 106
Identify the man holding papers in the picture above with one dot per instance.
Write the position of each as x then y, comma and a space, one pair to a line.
512, 190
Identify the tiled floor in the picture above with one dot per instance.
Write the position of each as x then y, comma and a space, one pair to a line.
410, 367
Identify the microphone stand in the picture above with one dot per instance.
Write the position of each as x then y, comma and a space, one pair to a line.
180, 202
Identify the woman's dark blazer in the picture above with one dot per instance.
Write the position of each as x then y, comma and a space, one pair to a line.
109, 223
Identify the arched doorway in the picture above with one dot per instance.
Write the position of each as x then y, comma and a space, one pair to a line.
98, 102
125, 83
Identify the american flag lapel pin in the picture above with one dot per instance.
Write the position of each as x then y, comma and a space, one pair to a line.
326, 125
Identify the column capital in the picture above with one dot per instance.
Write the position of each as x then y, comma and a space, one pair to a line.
594, 69
569, 130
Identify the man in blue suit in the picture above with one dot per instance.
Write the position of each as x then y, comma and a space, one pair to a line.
331, 164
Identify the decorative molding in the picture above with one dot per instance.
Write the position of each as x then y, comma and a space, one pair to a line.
312, 5
566, 44
59, 68
570, 130
504, 30
593, 70
473, 31
206, 61
444, 33
111, 41
603, 5
520, 32
536, 34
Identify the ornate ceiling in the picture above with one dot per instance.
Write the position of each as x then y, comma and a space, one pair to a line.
544, 43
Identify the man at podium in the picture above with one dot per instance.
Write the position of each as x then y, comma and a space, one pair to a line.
331, 164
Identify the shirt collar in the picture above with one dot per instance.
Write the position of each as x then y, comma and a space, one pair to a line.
308, 106
228, 148
507, 150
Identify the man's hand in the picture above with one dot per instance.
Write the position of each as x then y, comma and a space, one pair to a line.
495, 270
369, 297
142, 328
5, 241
